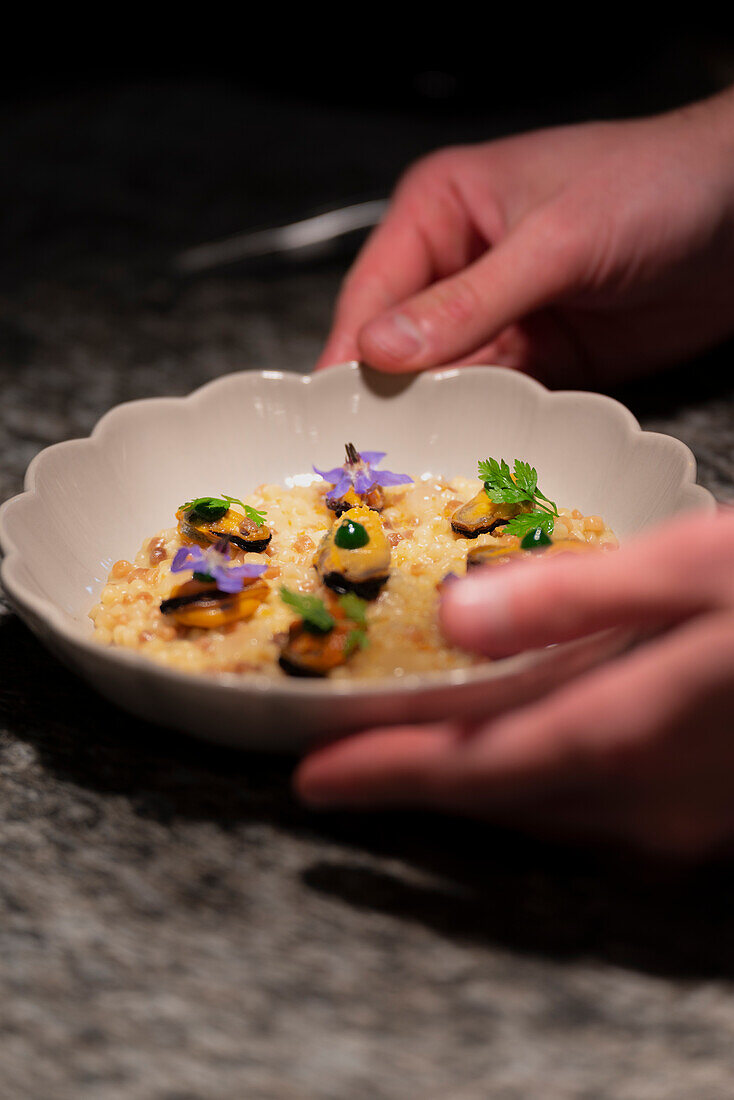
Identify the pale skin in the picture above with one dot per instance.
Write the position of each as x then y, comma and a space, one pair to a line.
582, 255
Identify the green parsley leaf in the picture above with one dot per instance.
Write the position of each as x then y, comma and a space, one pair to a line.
251, 513
498, 482
312, 610
208, 508
518, 487
526, 477
354, 608
213, 508
254, 515
356, 639
528, 521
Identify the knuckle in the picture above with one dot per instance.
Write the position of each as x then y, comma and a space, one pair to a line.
433, 167
556, 231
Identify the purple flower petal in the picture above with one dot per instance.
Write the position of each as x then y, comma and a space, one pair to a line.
364, 481
372, 457
387, 478
330, 475
342, 486
225, 579
253, 568
232, 578
360, 475
188, 557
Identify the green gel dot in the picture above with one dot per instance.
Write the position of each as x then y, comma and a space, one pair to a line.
535, 538
351, 535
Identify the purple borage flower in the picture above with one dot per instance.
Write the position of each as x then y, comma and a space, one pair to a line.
357, 474
214, 563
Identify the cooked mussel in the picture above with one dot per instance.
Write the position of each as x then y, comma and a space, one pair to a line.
503, 555
354, 556
311, 652
202, 604
481, 515
240, 530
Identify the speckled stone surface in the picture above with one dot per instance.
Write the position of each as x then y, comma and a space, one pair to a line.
173, 926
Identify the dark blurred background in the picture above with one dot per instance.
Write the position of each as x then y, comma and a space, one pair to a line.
125, 140
144, 138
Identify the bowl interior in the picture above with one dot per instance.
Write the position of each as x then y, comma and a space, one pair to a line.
95, 500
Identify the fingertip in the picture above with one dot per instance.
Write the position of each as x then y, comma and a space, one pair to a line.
308, 785
392, 342
371, 768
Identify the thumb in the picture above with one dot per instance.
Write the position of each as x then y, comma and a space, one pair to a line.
647, 583
540, 260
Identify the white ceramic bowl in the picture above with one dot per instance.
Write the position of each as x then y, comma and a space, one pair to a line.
91, 501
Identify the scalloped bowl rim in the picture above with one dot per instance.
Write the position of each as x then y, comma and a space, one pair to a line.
50, 614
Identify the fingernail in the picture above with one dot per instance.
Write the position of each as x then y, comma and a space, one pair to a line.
397, 335
477, 611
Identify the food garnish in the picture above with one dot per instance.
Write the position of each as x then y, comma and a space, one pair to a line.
518, 487
315, 614
312, 609
218, 593
251, 513
535, 539
207, 519
214, 565
356, 482
325, 636
213, 508
208, 508
354, 608
350, 535
481, 516
346, 561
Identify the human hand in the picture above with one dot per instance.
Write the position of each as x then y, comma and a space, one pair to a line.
585, 253
639, 750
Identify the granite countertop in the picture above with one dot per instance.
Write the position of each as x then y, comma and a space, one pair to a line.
174, 926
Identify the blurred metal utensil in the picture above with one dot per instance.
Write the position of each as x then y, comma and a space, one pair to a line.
298, 240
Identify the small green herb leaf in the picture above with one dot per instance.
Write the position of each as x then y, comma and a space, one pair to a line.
526, 477
498, 482
213, 508
205, 578
356, 639
354, 608
530, 521
312, 610
207, 508
254, 515
251, 513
